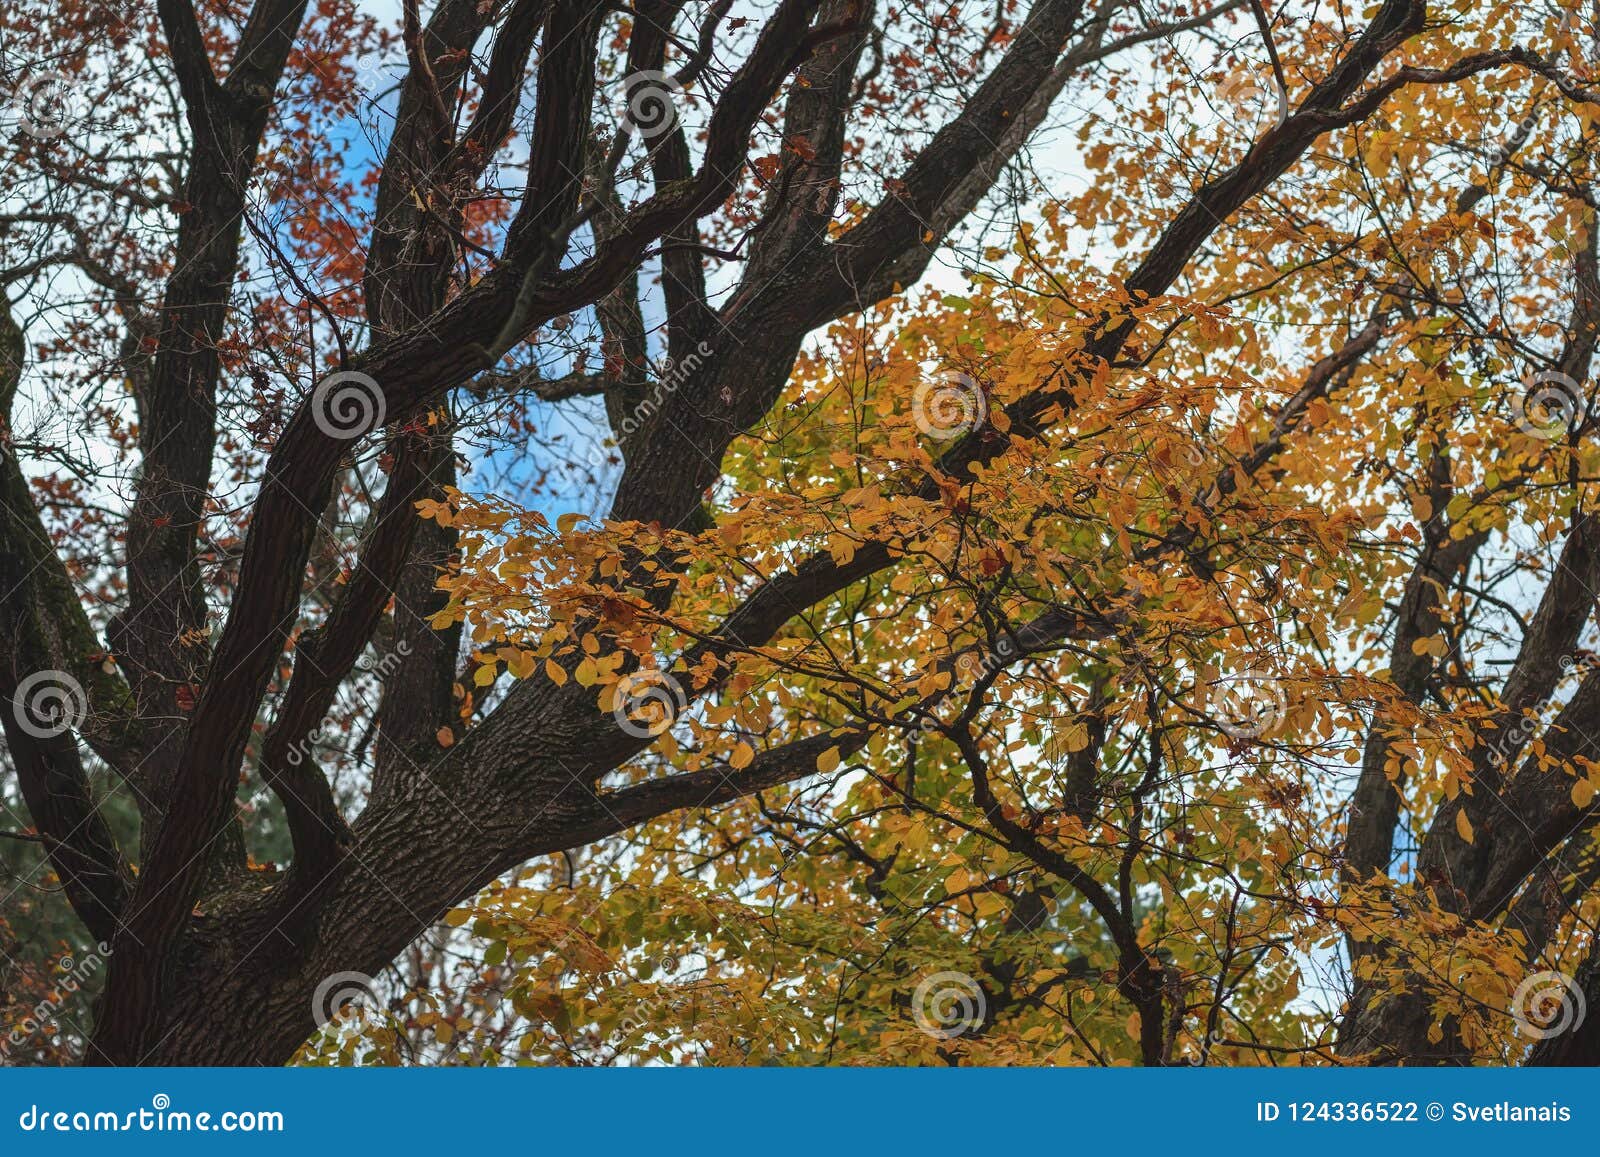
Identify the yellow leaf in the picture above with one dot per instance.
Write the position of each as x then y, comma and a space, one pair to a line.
741, 757
1463, 825
828, 760
567, 521
1582, 793
555, 672
484, 675
1076, 738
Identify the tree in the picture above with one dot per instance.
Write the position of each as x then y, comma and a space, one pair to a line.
1041, 670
